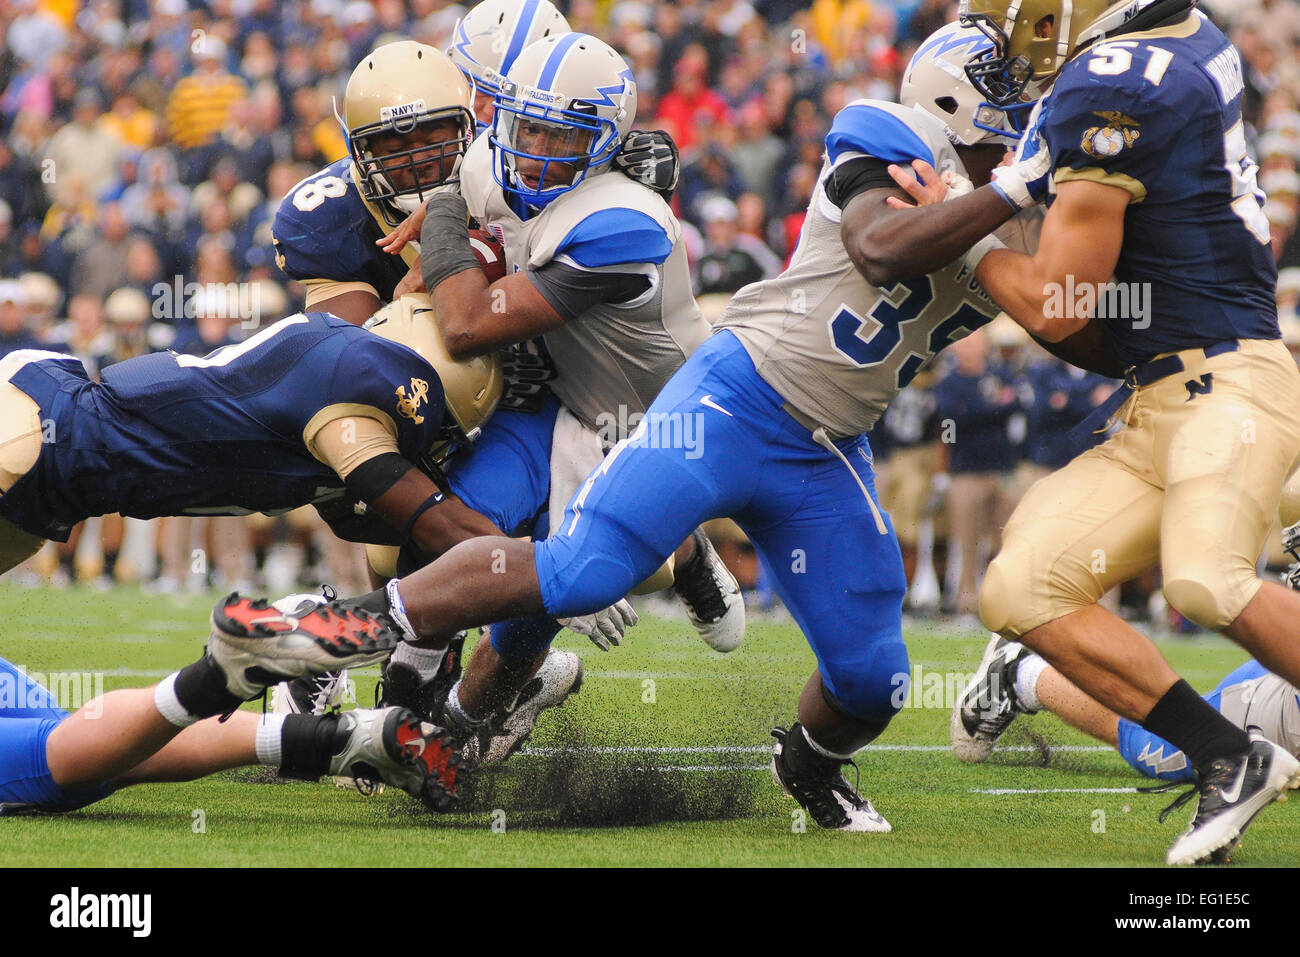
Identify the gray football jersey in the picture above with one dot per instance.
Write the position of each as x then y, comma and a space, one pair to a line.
612, 360
1270, 703
837, 348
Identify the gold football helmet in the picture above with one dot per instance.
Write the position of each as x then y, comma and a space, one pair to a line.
407, 114
1033, 39
472, 387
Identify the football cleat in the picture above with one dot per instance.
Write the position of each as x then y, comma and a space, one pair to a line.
1230, 793
559, 676
711, 596
394, 746
402, 686
988, 704
314, 694
257, 645
825, 794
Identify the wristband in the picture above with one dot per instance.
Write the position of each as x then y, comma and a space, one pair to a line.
444, 240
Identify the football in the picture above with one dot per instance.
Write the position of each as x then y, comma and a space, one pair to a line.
489, 253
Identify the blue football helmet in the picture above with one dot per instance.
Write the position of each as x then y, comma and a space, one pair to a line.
562, 112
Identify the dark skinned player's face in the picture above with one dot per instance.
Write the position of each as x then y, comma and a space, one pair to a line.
547, 139
432, 164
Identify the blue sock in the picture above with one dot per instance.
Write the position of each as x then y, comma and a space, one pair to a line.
1152, 755
523, 637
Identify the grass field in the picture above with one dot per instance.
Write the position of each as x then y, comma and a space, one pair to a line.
660, 760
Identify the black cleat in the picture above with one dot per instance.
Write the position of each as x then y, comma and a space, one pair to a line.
256, 644
821, 788
401, 685
1230, 793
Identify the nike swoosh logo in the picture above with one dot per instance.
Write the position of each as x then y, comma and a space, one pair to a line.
1230, 796
708, 400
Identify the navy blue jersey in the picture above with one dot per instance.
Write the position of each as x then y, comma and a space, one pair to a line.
1158, 114
323, 230
221, 434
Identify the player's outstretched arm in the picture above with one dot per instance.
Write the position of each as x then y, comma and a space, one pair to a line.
475, 318
407, 502
892, 241
1080, 243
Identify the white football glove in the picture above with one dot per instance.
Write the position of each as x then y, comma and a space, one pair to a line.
606, 627
957, 184
1025, 182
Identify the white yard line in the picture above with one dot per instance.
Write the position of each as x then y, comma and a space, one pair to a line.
764, 748
1000, 791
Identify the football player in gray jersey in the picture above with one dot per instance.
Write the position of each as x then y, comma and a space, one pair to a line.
597, 275
775, 403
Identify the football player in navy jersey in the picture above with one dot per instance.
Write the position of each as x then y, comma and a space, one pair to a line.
407, 114
311, 410
1141, 146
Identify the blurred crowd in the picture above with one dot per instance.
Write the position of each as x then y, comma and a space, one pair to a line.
147, 144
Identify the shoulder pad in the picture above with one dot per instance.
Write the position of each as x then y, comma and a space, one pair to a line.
608, 220
884, 130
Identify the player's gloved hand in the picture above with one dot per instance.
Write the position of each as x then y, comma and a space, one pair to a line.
650, 158
1026, 181
526, 374
606, 627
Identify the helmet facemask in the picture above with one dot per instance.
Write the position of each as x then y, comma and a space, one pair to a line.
998, 77
402, 179
547, 144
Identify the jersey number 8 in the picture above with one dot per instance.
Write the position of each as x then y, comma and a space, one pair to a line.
310, 195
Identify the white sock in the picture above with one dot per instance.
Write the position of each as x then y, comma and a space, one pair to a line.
456, 714
169, 706
426, 661
1026, 686
269, 740
820, 750
397, 610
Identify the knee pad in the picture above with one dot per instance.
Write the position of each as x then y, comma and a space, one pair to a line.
523, 638
1211, 606
1018, 595
1002, 609
868, 691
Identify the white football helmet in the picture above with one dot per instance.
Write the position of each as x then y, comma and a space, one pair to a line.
488, 39
935, 82
562, 112
395, 94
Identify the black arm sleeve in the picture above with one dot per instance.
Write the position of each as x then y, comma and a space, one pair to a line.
571, 291
857, 176
373, 477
